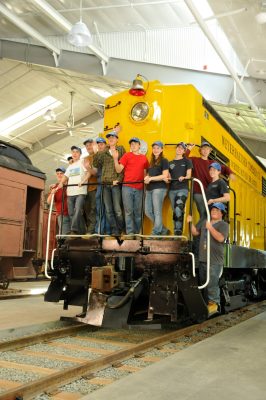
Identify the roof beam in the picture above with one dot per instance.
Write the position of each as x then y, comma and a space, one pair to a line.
28, 29
219, 51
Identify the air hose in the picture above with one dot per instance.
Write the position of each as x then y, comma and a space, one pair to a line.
127, 296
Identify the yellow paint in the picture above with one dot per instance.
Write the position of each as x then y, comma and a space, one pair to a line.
176, 113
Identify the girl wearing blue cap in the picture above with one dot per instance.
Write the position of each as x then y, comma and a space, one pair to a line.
156, 188
217, 190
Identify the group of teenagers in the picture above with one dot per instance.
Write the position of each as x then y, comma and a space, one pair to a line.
104, 195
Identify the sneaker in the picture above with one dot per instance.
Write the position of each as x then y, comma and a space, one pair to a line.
213, 308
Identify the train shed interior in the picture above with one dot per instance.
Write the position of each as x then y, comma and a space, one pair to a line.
54, 86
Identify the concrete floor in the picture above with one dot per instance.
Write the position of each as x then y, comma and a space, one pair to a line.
228, 366
26, 311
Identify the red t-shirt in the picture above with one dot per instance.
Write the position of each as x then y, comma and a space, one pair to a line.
58, 201
201, 171
134, 166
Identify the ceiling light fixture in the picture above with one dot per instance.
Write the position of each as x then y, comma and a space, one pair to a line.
79, 34
28, 114
49, 115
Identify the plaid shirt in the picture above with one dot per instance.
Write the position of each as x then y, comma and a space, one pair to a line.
104, 161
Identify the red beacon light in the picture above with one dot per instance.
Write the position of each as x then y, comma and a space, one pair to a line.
137, 88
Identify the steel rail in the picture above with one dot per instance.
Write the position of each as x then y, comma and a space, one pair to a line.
58, 379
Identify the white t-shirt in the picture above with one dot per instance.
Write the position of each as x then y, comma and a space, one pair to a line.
75, 173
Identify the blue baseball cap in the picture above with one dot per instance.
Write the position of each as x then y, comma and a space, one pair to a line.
183, 144
75, 148
215, 165
100, 140
220, 206
157, 143
61, 169
113, 133
134, 139
90, 140
205, 144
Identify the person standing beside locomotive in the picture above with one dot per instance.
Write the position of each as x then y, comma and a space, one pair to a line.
180, 171
112, 190
156, 190
60, 201
76, 174
218, 234
134, 164
90, 202
201, 172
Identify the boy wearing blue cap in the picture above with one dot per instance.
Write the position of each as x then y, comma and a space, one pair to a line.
134, 164
76, 174
102, 226
218, 234
112, 191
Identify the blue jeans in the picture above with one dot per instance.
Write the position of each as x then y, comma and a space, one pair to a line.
132, 202
178, 200
113, 208
90, 211
213, 289
65, 226
102, 226
75, 206
153, 209
198, 198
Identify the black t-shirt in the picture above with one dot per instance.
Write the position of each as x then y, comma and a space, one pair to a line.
179, 168
155, 171
216, 189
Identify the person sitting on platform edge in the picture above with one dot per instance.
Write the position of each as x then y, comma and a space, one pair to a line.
63, 219
134, 164
76, 174
111, 190
218, 234
180, 171
156, 181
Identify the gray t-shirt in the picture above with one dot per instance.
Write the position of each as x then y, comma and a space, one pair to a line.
216, 248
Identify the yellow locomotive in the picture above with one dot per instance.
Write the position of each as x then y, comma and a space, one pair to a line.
174, 113
144, 277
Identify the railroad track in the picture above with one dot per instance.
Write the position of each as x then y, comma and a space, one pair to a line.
59, 359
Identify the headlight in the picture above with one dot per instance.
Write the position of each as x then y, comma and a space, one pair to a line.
140, 111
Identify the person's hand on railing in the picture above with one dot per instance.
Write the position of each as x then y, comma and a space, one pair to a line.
189, 219
181, 178
115, 183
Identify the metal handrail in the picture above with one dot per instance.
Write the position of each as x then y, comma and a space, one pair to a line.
193, 264
48, 238
208, 234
